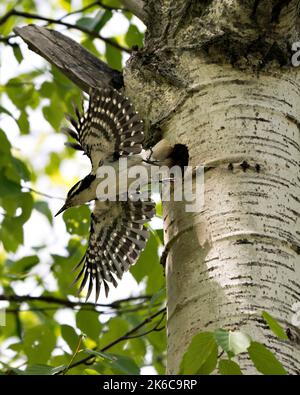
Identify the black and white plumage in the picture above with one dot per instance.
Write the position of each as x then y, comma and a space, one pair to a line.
117, 237
108, 130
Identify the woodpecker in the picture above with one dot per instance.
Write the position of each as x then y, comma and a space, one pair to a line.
109, 129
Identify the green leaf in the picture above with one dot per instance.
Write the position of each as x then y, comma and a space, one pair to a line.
21, 169
101, 19
4, 142
43, 208
10, 171
116, 327
25, 202
53, 164
124, 365
113, 57
39, 342
118, 364
134, 37
18, 347
148, 267
158, 340
70, 336
232, 342
62, 87
18, 53
88, 322
86, 23
228, 367
62, 266
264, 360
7, 27
46, 89
39, 369
11, 240
88, 44
10, 327
54, 113
77, 220
8, 187
137, 349
95, 24
24, 264
157, 297
275, 327
198, 353
101, 354
22, 93
23, 122
9, 205
211, 363
65, 4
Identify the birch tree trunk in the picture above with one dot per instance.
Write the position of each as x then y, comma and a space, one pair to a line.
216, 76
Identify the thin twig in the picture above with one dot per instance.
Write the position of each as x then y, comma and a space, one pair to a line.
75, 353
91, 33
42, 193
154, 329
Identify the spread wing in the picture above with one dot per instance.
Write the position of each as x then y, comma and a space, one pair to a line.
117, 236
110, 127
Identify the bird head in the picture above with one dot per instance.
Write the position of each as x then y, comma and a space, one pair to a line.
82, 192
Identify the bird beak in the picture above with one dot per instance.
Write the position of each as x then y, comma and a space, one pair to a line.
64, 207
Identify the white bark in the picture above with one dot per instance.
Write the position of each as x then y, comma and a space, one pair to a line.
239, 256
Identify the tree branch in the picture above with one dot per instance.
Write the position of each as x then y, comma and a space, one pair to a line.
136, 7
78, 64
68, 303
6, 16
116, 312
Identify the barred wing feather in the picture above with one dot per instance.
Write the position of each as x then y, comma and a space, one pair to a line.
117, 236
110, 127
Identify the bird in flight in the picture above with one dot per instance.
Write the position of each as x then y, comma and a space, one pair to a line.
108, 130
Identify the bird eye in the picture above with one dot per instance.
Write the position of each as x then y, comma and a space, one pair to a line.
100, 163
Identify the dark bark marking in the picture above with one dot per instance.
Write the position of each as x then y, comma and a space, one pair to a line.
245, 166
243, 241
